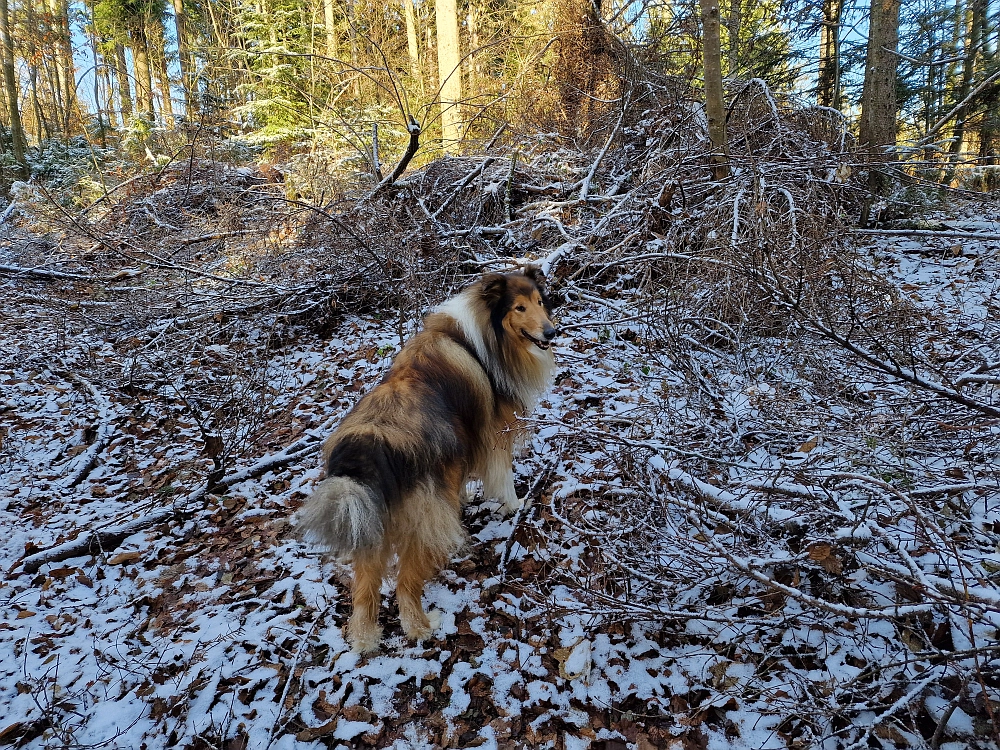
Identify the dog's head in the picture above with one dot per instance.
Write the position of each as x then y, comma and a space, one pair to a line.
519, 307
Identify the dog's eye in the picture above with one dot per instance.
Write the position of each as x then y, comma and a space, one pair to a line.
521, 308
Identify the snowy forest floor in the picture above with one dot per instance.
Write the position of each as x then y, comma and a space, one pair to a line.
760, 543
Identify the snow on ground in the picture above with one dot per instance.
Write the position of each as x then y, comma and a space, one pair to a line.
218, 628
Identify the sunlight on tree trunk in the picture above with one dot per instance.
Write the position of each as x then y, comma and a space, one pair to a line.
124, 84
189, 82
143, 75
162, 74
12, 90
449, 70
976, 16
411, 45
878, 99
330, 28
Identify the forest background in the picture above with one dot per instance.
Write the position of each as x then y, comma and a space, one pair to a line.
331, 79
762, 497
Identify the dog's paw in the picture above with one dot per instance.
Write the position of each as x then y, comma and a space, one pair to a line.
435, 617
511, 505
417, 629
364, 639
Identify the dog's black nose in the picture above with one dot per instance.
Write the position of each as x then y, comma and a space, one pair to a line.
549, 333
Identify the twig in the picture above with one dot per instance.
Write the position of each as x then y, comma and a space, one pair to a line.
108, 538
88, 459
462, 185
280, 706
585, 187
522, 516
411, 148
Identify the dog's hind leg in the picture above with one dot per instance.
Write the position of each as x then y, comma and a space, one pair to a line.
363, 631
417, 565
433, 534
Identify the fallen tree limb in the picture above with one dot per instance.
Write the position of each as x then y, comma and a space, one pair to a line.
411, 148
45, 273
86, 461
948, 233
104, 539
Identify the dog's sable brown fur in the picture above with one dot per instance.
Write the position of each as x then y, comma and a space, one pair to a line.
444, 413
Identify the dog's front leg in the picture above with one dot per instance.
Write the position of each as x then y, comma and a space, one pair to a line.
498, 481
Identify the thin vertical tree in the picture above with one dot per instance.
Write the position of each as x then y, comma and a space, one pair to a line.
143, 72
878, 98
189, 81
715, 107
449, 72
409, 12
18, 142
120, 65
330, 28
975, 17
733, 23
828, 82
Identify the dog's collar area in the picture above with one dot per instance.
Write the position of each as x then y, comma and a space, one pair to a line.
543, 345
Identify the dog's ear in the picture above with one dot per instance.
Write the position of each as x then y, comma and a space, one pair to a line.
534, 273
492, 287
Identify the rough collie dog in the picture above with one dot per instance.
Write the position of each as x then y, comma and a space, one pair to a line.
445, 412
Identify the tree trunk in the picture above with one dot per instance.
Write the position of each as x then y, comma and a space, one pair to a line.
159, 51
878, 97
449, 72
975, 13
18, 142
472, 61
352, 34
828, 85
103, 105
42, 129
715, 107
733, 23
143, 75
68, 65
411, 45
189, 80
124, 86
109, 94
330, 28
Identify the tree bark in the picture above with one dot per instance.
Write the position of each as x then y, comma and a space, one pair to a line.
715, 108
733, 23
878, 98
411, 44
189, 81
828, 85
143, 75
975, 12
159, 50
330, 28
449, 72
18, 142
124, 85
67, 64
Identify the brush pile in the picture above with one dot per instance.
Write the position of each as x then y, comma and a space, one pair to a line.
765, 488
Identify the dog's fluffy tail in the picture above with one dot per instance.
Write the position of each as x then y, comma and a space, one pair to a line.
343, 515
